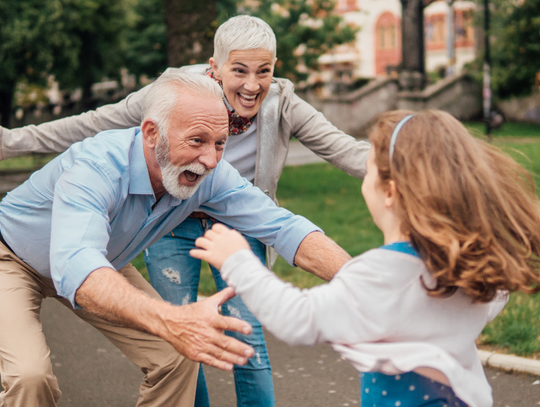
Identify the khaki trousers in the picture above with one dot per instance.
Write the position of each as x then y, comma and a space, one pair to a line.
25, 366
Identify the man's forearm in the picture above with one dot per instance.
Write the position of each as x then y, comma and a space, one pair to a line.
109, 295
320, 255
194, 330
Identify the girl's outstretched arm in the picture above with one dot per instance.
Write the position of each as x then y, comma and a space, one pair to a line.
299, 317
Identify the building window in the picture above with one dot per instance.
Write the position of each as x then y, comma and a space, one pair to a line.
382, 33
387, 42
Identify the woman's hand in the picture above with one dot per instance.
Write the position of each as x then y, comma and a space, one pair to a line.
218, 244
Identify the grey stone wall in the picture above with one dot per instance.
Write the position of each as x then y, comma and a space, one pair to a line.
523, 109
353, 112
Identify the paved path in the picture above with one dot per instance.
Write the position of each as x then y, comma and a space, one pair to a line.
93, 373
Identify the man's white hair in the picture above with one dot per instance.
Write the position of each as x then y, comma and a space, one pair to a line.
243, 33
161, 99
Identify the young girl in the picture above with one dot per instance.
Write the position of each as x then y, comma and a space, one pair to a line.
461, 225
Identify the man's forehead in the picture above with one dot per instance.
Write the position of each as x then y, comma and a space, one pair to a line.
202, 122
197, 106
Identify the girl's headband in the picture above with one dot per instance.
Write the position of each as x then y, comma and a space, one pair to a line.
395, 134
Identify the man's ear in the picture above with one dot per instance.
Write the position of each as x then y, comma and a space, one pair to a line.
391, 192
150, 133
215, 68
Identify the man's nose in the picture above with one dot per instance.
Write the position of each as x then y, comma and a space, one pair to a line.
209, 157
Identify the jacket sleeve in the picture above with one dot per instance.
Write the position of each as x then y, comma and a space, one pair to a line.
313, 130
59, 135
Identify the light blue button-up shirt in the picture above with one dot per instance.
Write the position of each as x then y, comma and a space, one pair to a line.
91, 207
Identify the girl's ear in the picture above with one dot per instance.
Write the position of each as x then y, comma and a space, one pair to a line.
390, 199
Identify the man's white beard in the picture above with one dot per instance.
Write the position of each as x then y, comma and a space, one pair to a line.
170, 172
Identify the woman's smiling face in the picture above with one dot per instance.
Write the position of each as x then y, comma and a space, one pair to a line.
246, 79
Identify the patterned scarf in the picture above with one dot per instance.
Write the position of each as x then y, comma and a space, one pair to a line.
237, 123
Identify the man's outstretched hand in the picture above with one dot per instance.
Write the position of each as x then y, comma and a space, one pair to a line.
197, 332
218, 244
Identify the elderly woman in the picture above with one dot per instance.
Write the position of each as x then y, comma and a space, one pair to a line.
264, 115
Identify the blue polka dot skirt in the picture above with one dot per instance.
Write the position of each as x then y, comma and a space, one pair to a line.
405, 390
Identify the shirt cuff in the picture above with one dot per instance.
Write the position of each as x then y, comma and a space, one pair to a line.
292, 235
76, 271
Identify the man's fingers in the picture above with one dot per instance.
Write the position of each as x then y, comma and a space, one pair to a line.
222, 296
222, 360
233, 324
211, 361
222, 352
230, 350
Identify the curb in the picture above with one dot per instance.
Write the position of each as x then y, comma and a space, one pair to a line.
509, 362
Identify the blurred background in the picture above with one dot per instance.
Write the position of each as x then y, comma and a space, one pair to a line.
61, 57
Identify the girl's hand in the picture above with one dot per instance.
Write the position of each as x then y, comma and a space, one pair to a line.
218, 244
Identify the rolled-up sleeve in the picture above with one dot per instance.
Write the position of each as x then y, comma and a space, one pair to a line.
80, 230
239, 204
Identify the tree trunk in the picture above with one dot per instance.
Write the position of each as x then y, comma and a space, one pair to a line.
6, 103
412, 76
190, 30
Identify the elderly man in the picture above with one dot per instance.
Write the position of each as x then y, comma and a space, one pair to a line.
72, 229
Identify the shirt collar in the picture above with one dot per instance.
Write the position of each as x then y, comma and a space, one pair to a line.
138, 170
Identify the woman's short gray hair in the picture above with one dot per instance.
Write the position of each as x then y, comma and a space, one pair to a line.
243, 33
161, 99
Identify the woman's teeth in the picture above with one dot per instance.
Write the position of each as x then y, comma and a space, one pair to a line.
248, 99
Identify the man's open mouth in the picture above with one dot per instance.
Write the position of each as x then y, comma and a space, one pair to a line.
191, 176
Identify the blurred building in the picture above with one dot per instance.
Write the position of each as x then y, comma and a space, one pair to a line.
377, 50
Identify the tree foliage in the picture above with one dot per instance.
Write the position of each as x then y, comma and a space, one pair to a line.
95, 29
30, 36
146, 39
76, 40
82, 41
305, 30
515, 47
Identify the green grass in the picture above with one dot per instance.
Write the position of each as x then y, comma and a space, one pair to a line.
29, 162
517, 328
333, 201
516, 130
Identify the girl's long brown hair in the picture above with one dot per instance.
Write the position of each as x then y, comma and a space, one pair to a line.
469, 209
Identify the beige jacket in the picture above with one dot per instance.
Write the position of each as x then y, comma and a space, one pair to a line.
282, 115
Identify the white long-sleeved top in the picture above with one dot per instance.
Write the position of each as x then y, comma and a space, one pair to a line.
377, 315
